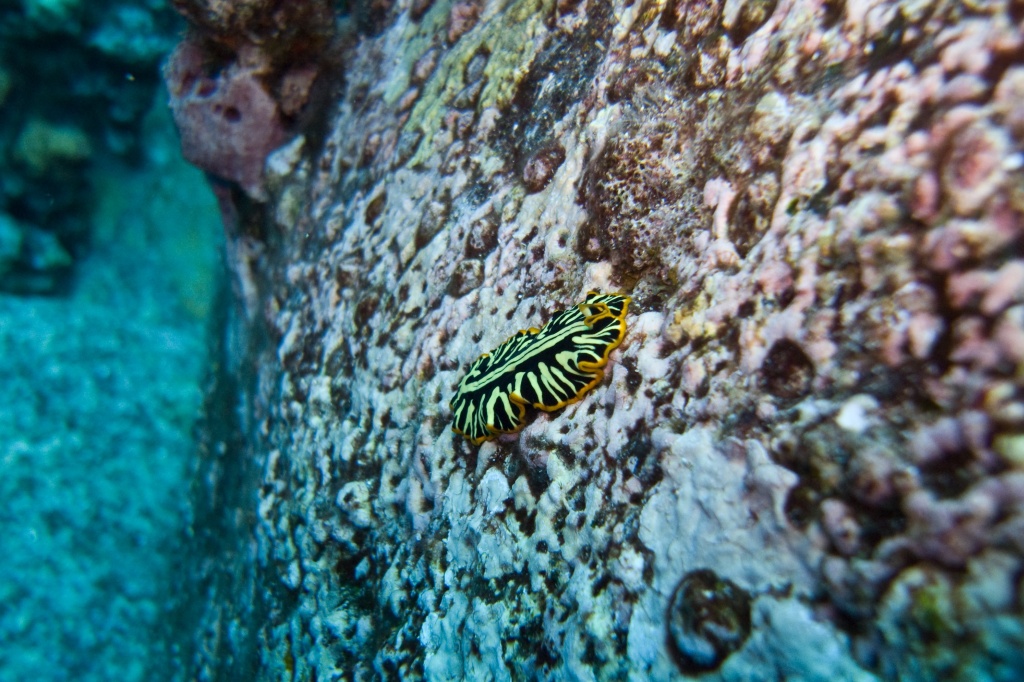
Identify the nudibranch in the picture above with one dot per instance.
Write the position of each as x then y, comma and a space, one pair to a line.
547, 368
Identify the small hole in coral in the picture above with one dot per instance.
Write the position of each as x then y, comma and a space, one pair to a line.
206, 87
787, 372
232, 114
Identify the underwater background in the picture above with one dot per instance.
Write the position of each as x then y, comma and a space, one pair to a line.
110, 279
267, 412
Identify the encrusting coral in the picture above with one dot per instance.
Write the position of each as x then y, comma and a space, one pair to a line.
228, 122
239, 81
817, 414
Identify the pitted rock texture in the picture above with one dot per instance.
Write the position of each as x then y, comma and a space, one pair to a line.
818, 407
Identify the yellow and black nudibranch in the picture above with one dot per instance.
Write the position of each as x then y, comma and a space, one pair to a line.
547, 368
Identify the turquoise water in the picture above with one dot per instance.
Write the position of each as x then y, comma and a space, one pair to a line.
102, 388
109, 266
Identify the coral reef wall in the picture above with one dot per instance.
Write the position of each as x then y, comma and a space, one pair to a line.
806, 460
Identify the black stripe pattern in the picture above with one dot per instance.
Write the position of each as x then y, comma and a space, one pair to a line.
547, 368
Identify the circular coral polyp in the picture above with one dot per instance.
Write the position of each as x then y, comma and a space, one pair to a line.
708, 619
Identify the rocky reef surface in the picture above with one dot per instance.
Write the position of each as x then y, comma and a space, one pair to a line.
806, 460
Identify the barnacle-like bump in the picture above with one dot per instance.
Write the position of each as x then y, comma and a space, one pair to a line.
708, 619
547, 368
542, 166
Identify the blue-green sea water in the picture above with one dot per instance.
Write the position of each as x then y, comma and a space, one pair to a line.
109, 268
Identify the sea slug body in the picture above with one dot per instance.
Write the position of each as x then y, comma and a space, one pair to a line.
547, 368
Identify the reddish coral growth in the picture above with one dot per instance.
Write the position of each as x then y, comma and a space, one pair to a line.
228, 121
419, 8
242, 77
462, 18
974, 169
541, 167
295, 31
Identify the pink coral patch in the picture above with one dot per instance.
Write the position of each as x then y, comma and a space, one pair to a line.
228, 122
